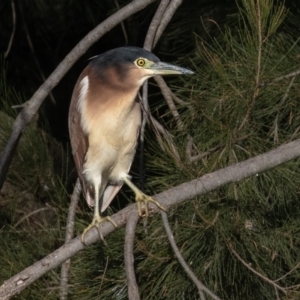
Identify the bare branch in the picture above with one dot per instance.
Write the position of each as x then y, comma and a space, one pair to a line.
189, 147
122, 25
69, 235
276, 286
14, 21
171, 197
170, 11
133, 290
165, 90
33, 52
201, 287
268, 82
31, 107
148, 44
288, 273
258, 67
26, 217
159, 129
179, 101
285, 96
170, 97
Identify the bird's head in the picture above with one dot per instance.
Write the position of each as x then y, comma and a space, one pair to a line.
131, 66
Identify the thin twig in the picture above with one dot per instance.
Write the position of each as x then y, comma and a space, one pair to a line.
189, 147
69, 235
33, 53
19, 105
145, 105
258, 68
208, 222
201, 287
103, 276
179, 101
276, 286
14, 21
288, 273
159, 129
122, 25
133, 290
285, 96
268, 82
168, 97
31, 214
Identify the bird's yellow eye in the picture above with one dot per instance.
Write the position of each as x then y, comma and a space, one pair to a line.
140, 62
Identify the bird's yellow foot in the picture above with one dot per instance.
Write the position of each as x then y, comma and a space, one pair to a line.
142, 200
97, 220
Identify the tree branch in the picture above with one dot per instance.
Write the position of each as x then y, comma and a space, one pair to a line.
148, 45
31, 107
168, 14
201, 287
268, 82
171, 197
69, 234
14, 21
133, 289
30, 44
275, 285
149, 40
165, 90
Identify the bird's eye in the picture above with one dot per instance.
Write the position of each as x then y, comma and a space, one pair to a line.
140, 62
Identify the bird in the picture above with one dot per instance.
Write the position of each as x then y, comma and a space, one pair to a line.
104, 124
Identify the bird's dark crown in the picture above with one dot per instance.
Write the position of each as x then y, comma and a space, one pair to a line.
121, 56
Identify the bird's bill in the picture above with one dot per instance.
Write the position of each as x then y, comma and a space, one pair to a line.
161, 68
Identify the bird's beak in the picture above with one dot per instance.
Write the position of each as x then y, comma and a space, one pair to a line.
161, 68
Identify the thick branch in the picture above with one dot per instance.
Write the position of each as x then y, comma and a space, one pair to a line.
31, 107
167, 198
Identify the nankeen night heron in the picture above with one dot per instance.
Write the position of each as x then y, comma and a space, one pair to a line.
104, 124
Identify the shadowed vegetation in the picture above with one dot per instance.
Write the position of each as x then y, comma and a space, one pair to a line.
233, 111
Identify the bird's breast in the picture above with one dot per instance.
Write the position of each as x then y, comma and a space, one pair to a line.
115, 125
112, 129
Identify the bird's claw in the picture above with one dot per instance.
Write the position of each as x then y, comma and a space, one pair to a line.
96, 223
143, 199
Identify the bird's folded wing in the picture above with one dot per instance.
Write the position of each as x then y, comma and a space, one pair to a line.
109, 194
78, 138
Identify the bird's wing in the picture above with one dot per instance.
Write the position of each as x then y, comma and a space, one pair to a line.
79, 140
109, 194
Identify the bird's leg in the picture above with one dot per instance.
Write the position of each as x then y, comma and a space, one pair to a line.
141, 198
97, 219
